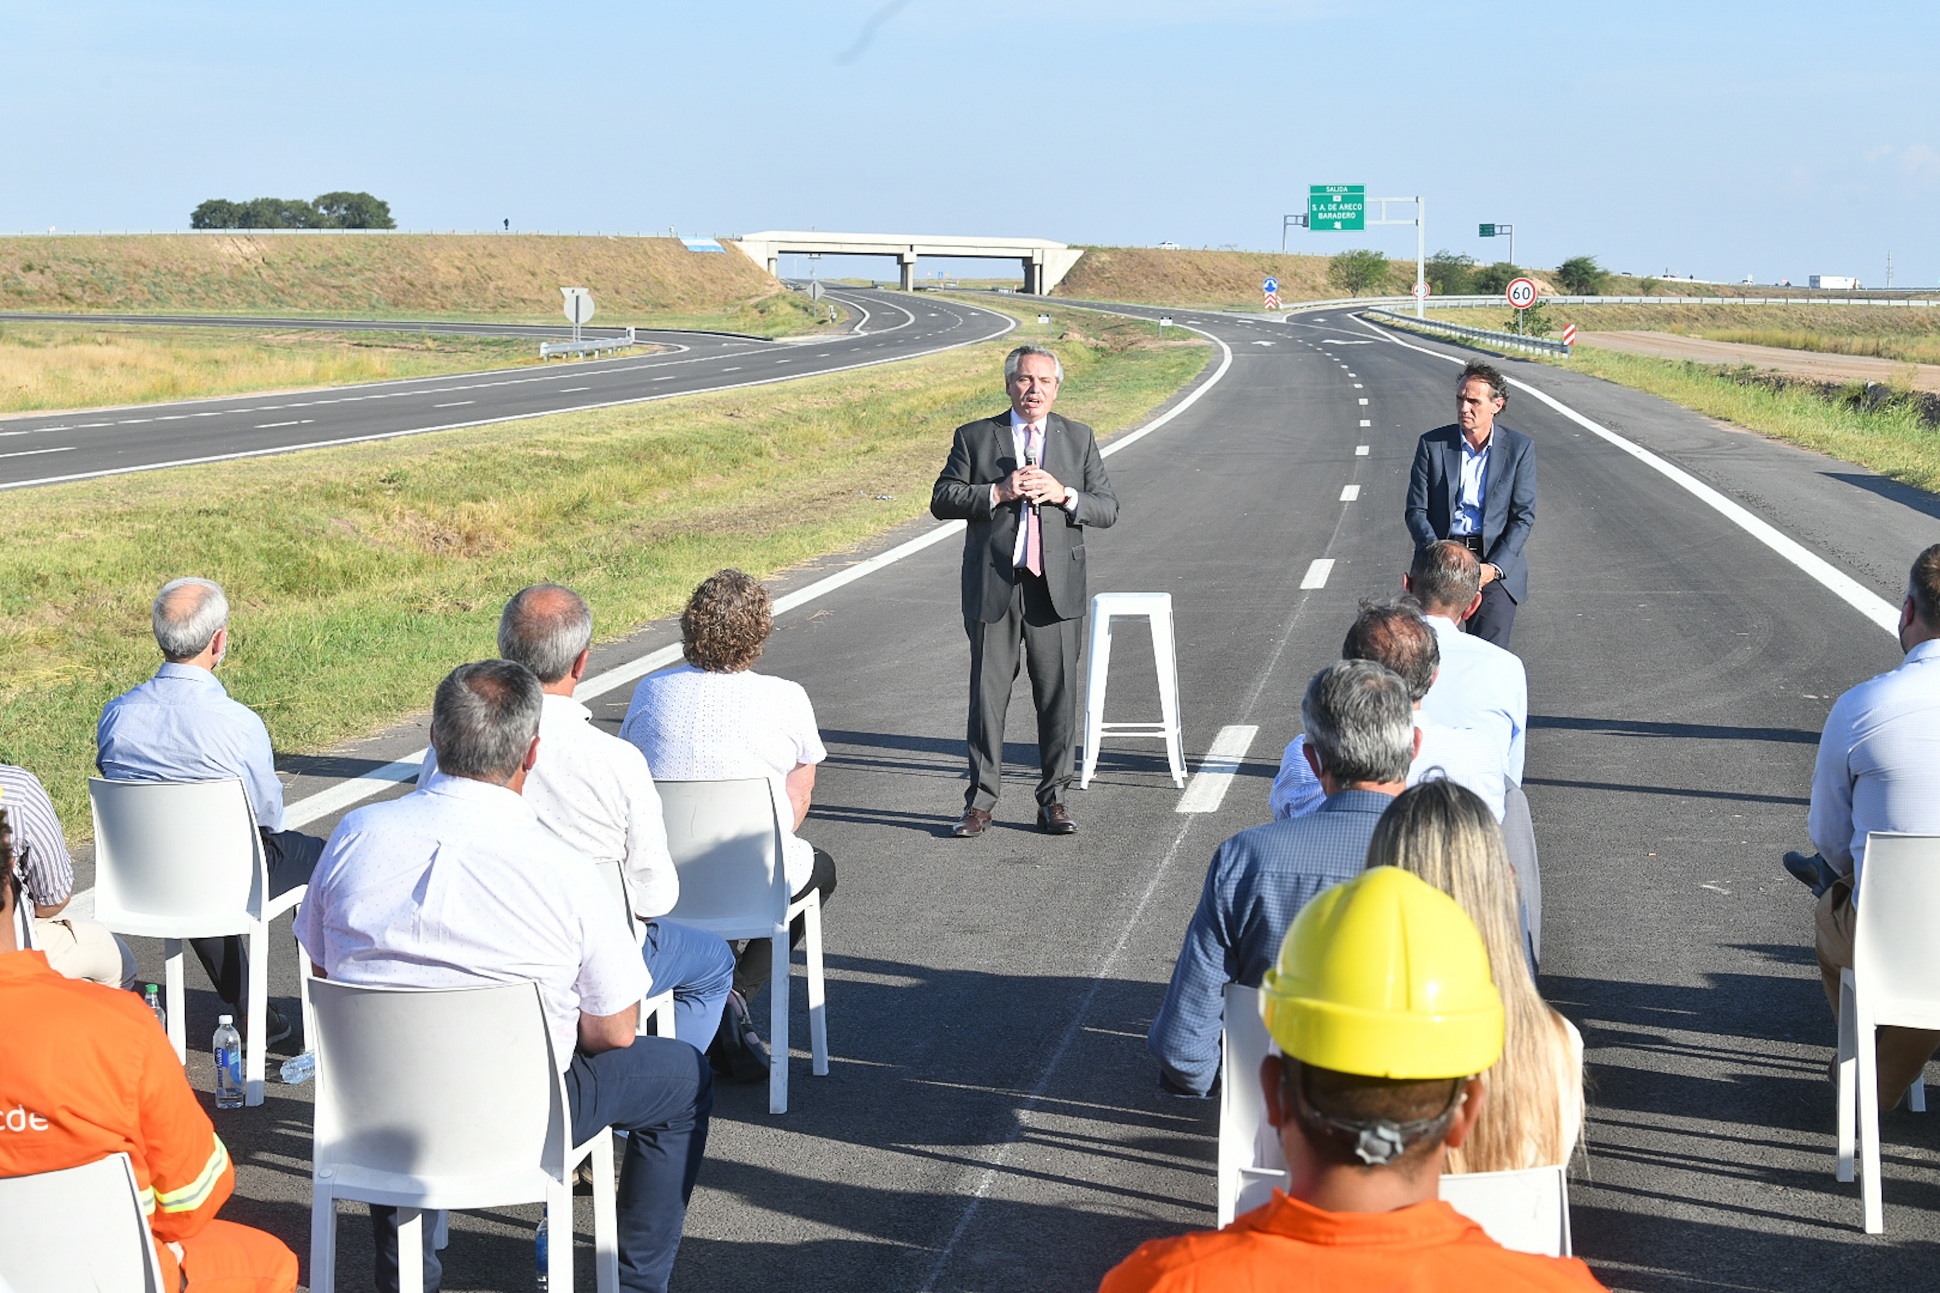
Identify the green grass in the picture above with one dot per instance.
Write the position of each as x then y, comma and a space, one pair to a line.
360, 575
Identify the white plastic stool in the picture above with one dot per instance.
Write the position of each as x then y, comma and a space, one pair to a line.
1156, 610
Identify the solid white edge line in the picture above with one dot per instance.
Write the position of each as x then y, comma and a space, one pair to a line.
1317, 572
346, 793
1217, 770
1844, 586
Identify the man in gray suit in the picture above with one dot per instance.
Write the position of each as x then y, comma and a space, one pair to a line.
1024, 575
1475, 482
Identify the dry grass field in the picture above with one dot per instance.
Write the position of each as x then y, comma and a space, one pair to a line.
1228, 280
511, 277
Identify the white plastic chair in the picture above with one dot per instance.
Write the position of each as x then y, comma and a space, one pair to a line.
1251, 1163
656, 1008
1156, 610
176, 860
447, 1099
78, 1228
1894, 980
1528, 1211
726, 841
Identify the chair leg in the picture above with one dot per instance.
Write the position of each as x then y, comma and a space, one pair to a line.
410, 1250
1097, 671
323, 1241
177, 1003
606, 1218
1167, 665
308, 1016
559, 1234
255, 1051
1846, 1103
778, 1023
1871, 1203
818, 1021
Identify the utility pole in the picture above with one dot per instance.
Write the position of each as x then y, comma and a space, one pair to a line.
1287, 222
1889, 269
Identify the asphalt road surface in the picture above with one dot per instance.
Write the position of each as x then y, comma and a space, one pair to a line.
42, 449
991, 1120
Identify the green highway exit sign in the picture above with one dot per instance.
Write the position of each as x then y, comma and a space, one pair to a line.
1486, 231
1337, 206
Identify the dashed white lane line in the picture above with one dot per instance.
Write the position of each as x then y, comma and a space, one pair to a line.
1357, 385
1350, 493
1363, 401
1366, 423
1316, 576
455, 404
265, 426
1360, 451
28, 453
569, 390
1207, 789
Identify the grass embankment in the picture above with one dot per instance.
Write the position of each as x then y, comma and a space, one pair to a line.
1911, 335
70, 366
509, 277
360, 575
1212, 280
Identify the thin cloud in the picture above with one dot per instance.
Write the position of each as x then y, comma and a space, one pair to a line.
870, 27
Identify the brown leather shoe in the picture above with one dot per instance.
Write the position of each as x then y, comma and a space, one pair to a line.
972, 824
1055, 819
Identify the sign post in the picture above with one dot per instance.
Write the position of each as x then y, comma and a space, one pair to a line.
1270, 288
1500, 231
579, 308
1420, 222
1522, 294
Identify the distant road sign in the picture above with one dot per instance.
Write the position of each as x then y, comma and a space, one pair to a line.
1341, 207
579, 305
1569, 334
1485, 231
1521, 293
814, 290
1270, 286
1272, 300
1420, 290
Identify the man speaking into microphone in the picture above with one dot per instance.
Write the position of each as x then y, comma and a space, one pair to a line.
1024, 576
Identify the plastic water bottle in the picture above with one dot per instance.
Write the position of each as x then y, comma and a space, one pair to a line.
229, 1064
153, 999
299, 1069
542, 1249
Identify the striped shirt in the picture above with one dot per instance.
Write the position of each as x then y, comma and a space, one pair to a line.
39, 849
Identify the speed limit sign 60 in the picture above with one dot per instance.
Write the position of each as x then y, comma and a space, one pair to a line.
1522, 293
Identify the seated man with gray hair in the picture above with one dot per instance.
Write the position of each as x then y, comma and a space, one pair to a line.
458, 884
181, 725
595, 793
1361, 737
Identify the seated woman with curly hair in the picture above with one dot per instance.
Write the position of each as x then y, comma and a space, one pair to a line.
715, 719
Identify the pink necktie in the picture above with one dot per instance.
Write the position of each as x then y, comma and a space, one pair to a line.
1033, 527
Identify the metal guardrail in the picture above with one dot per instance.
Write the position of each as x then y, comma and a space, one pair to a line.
587, 346
1505, 340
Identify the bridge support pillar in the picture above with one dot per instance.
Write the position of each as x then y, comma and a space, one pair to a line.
907, 262
1033, 276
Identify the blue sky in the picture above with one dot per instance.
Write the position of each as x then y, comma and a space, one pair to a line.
1719, 139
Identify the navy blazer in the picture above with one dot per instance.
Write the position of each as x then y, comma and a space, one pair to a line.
1508, 498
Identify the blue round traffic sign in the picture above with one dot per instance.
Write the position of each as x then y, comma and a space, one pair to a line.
1270, 285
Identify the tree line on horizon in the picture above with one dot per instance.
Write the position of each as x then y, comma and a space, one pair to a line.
1456, 274
340, 210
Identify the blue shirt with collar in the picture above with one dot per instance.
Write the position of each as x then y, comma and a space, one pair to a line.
1257, 883
181, 725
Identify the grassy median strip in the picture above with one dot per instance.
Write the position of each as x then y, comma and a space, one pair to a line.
74, 366
360, 575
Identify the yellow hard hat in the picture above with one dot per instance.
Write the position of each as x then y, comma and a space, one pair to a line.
1385, 976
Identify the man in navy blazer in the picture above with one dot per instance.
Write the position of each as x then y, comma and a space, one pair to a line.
1475, 482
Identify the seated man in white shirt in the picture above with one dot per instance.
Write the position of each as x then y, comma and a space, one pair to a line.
1878, 770
457, 884
595, 792
1481, 685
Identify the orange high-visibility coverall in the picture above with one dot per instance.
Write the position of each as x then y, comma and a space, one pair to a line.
85, 1071
1287, 1245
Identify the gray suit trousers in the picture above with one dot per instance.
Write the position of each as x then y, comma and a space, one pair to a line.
1050, 649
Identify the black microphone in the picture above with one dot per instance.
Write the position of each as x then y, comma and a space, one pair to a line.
1030, 460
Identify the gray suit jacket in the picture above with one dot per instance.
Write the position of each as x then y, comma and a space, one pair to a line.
983, 454
1508, 500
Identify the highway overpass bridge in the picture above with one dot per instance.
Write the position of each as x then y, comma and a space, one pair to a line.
1045, 263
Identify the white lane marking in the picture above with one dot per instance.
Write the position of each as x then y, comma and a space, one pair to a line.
128, 422
28, 453
568, 390
1208, 787
735, 369
667, 378
93, 424
455, 404
1316, 576
301, 422
34, 431
1350, 493
1366, 423
1360, 451
1838, 582
782, 361
1363, 401
1357, 385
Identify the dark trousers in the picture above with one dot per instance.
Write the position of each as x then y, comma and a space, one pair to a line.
757, 955
1050, 651
660, 1092
1495, 618
291, 857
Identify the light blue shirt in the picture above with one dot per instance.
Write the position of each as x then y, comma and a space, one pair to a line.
1467, 758
1879, 762
1475, 489
181, 725
1480, 686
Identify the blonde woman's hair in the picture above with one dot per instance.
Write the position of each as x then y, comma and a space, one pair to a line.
1444, 833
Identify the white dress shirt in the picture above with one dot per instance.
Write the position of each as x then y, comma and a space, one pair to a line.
595, 792
1481, 686
1474, 494
456, 884
694, 725
1019, 429
1879, 761
1467, 758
